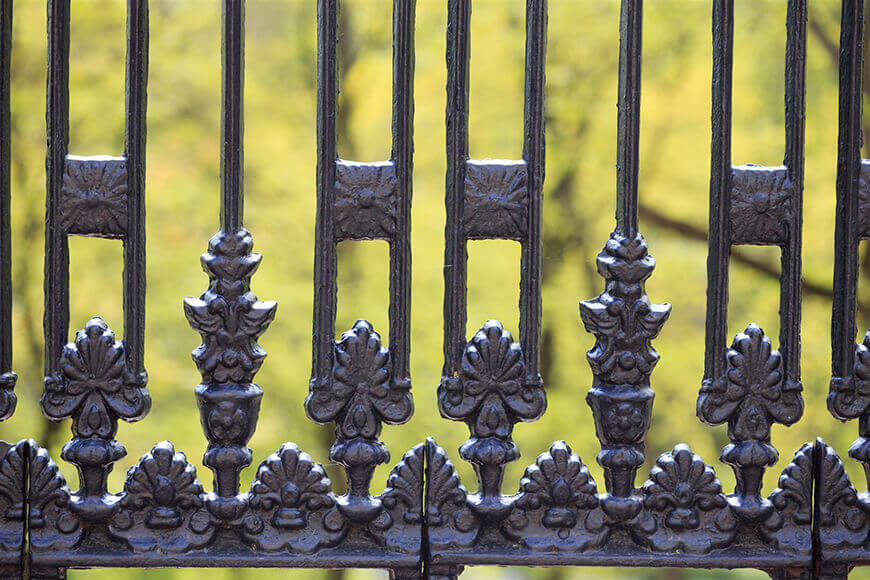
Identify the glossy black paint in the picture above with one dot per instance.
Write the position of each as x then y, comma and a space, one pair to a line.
843, 523
425, 523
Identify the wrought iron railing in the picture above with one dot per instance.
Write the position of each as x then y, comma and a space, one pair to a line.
426, 523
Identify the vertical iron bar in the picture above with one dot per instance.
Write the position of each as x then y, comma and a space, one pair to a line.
533, 154
229, 263
628, 121
795, 92
57, 125
325, 286
843, 326
402, 156
720, 191
5, 190
134, 243
455, 253
232, 122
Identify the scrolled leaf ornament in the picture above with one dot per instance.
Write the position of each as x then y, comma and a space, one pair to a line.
491, 393
95, 389
751, 396
228, 315
360, 396
850, 396
8, 399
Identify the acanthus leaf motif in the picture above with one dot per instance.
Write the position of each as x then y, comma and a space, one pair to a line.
361, 395
622, 318
13, 480
449, 520
93, 386
753, 394
492, 392
841, 517
49, 498
404, 492
403, 502
789, 526
228, 315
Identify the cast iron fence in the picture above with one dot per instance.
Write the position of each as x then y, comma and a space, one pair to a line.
425, 523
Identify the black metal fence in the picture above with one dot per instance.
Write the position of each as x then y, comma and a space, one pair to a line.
815, 524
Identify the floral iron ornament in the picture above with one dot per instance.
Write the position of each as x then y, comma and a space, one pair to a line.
750, 397
624, 322
360, 397
230, 319
95, 389
491, 394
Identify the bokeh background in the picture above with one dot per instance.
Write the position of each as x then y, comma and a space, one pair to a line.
183, 193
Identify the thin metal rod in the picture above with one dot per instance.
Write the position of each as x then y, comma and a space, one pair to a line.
628, 120
795, 92
56, 322
843, 326
455, 253
720, 191
325, 286
403, 159
134, 244
232, 122
5, 189
533, 154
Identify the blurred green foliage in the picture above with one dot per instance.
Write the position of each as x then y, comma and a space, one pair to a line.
182, 206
